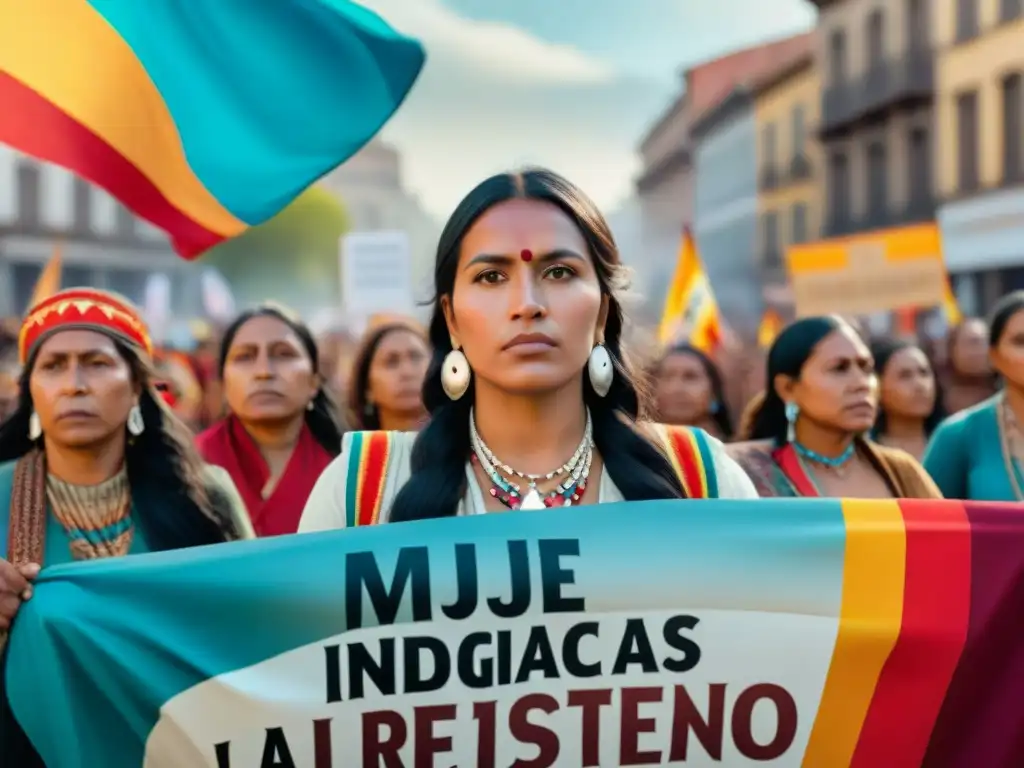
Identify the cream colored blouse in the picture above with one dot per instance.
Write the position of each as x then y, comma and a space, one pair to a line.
325, 508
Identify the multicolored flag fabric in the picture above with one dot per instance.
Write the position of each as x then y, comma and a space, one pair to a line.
691, 312
50, 278
951, 307
808, 632
204, 117
770, 326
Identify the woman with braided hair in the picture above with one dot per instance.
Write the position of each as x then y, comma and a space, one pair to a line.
92, 462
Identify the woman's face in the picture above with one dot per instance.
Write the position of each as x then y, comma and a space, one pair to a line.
1008, 354
908, 385
268, 376
81, 388
837, 387
397, 370
969, 355
682, 389
526, 326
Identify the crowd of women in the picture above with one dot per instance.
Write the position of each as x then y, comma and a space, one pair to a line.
519, 395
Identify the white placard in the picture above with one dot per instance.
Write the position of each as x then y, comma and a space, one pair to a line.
376, 273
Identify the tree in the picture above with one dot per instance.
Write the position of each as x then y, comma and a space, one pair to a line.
292, 258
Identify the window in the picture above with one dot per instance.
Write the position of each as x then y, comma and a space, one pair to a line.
1010, 9
769, 145
82, 205
837, 56
30, 188
770, 235
124, 222
131, 285
918, 164
966, 20
967, 141
798, 228
76, 277
839, 187
876, 38
799, 129
878, 179
1012, 127
918, 33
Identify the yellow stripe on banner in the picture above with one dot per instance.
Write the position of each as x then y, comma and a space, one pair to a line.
870, 619
65, 51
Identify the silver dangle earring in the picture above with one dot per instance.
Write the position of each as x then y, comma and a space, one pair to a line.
455, 373
792, 414
35, 427
136, 424
600, 370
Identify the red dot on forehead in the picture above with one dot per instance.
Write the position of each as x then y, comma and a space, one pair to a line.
526, 254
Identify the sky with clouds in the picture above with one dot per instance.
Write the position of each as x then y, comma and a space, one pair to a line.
571, 84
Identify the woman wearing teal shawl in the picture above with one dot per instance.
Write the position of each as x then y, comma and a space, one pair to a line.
92, 463
978, 453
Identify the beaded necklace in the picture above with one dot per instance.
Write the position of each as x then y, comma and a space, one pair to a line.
570, 489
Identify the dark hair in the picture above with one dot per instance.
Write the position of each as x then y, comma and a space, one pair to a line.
438, 481
358, 414
787, 356
720, 413
1002, 312
322, 419
883, 351
164, 470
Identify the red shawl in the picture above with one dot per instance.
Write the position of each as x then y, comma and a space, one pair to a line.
226, 444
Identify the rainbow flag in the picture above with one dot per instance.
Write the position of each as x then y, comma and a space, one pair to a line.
822, 633
691, 311
204, 117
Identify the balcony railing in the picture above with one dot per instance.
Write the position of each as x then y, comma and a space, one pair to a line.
887, 84
919, 209
770, 177
800, 168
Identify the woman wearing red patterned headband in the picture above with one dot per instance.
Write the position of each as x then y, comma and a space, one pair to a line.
93, 463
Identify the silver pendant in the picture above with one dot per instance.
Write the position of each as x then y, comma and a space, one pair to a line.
532, 500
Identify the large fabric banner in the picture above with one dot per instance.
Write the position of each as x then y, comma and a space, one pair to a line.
804, 632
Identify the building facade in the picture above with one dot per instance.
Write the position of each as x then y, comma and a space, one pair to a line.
980, 159
789, 162
370, 186
102, 244
876, 62
725, 207
664, 192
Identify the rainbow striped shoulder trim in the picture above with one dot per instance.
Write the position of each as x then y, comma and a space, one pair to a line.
689, 450
368, 456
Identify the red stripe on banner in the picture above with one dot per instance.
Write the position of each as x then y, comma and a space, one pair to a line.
30, 123
936, 615
982, 719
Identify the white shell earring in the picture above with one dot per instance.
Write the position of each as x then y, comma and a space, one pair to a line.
455, 374
35, 427
600, 370
136, 424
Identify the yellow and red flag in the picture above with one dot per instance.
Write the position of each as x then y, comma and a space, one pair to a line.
49, 279
691, 312
950, 306
771, 324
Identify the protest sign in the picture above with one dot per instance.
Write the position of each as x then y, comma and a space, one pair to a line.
807, 632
